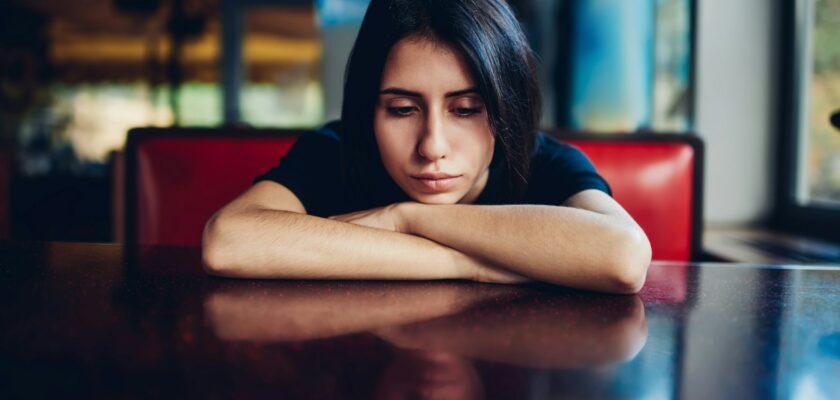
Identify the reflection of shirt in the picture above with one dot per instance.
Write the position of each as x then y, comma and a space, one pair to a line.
312, 171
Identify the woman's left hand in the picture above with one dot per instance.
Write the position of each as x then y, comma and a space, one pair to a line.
390, 217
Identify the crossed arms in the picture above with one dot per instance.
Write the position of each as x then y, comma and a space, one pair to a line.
590, 242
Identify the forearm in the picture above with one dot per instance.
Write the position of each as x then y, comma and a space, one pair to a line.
262, 243
562, 245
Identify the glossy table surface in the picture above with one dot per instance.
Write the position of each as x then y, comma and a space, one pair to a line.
111, 321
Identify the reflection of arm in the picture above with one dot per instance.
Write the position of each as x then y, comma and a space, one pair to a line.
555, 332
316, 310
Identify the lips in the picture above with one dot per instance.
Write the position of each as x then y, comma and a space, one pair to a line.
435, 182
434, 175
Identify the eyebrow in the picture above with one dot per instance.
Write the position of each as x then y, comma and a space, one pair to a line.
405, 92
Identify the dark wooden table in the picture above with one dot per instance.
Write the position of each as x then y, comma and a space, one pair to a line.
99, 320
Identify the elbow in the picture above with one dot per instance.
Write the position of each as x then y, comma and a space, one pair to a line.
215, 247
211, 261
630, 262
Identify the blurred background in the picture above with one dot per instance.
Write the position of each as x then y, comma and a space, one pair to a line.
756, 80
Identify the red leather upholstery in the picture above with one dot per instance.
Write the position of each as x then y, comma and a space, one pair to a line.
177, 181
654, 178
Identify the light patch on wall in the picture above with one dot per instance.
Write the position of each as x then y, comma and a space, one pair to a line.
102, 115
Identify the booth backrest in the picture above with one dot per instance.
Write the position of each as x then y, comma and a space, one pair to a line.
657, 178
177, 178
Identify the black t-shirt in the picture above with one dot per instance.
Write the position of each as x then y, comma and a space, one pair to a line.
312, 171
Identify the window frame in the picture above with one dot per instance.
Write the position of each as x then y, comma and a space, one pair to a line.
794, 59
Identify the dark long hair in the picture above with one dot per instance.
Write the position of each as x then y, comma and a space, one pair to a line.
501, 62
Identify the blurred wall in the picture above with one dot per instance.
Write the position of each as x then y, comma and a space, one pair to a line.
735, 106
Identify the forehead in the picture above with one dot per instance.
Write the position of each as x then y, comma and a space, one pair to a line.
426, 66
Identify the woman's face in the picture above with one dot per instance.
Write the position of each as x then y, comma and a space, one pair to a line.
431, 125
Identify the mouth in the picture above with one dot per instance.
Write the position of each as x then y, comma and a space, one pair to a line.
435, 182
434, 175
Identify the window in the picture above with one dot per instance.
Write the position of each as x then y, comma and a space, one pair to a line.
818, 170
282, 59
625, 67
106, 70
113, 65
809, 147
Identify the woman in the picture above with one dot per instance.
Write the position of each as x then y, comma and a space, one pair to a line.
435, 171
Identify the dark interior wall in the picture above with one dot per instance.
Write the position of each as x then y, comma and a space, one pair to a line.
61, 208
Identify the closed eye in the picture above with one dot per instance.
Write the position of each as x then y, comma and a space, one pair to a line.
401, 111
466, 112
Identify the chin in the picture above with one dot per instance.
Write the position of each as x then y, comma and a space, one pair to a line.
437, 198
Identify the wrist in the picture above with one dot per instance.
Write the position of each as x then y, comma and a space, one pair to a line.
407, 212
462, 265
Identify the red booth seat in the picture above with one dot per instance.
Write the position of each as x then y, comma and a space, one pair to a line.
657, 178
177, 178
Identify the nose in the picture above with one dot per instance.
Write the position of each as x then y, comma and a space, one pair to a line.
433, 144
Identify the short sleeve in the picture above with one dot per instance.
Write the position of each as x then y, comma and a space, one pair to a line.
559, 171
310, 170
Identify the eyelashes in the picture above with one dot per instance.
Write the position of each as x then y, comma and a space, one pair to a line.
401, 111
466, 111
463, 112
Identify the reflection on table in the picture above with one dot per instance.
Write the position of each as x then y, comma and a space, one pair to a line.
107, 321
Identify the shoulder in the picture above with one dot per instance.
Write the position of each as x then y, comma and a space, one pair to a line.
316, 145
314, 154
331, 130
548, 150
559, 170
329, 134
311, 170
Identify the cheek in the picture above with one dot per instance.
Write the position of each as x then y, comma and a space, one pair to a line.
394, 139
480, 145
491, 146
477, 137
